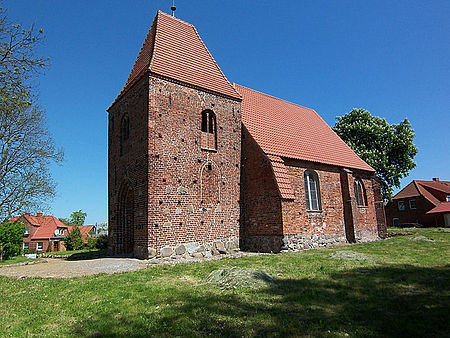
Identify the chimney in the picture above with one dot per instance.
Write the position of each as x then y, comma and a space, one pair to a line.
436, 179
39, 214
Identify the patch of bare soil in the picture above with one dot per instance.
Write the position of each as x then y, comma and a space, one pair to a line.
57, 268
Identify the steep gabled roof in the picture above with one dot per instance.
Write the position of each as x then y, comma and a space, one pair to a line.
173, 49
46, 224
425, 189
285, 129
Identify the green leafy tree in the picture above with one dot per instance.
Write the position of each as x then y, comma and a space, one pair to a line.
77, 217
66, 221
389, 149
11, 239
74, 241
26, 147
102, 242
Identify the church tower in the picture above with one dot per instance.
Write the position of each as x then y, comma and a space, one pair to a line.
174, 150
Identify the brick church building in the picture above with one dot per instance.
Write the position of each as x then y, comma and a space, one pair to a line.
199, 166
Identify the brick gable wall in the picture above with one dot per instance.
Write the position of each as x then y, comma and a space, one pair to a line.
194, 193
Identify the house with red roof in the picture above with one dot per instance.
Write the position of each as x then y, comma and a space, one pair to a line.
45, 233
42, 233
198, 166
420, 203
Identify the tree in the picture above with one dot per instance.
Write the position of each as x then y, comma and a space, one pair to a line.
26, 147
389, 149
66, 221
74, 241
77, 217
11, 238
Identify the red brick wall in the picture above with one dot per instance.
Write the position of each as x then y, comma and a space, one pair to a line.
131, 167
366, 223
296, 219
261, 216
409, 216
182, 193
194, 193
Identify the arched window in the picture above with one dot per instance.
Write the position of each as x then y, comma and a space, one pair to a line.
312, 191
209, 130
360, 193
124, 131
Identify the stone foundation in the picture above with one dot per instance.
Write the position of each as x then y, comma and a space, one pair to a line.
291, 242
302, 242
197, 250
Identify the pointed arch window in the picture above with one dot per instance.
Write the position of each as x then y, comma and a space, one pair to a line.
312, 191
124, 132
360, 193
209, 130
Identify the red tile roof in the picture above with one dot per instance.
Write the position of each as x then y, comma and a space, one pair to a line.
442, 207
288, 130
281, 177
173, 49
425, 189
46, 224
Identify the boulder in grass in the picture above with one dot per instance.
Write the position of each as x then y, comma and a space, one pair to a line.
349, 255
231, 278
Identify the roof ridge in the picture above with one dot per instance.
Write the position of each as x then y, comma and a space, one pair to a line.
173, 17
274, 97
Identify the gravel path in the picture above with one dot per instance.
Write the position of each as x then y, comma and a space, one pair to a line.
58, 268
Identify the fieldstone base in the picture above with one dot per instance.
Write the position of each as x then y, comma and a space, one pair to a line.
303, 242
199, 250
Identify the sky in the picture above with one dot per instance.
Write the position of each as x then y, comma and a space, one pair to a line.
391, 58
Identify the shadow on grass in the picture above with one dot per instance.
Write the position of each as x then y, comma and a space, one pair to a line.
402, 301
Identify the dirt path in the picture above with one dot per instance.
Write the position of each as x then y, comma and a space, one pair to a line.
58, 268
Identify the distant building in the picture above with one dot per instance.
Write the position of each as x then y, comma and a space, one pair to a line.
421, 203
45, 233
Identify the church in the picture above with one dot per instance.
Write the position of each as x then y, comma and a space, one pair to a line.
199, 166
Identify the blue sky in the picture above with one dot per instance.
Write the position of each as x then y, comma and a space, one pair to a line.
389, 57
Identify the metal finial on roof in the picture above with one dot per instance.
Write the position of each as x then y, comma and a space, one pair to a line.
173, 8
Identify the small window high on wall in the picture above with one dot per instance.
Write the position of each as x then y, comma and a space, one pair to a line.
209, 130
312, 191
124, 132
360, 193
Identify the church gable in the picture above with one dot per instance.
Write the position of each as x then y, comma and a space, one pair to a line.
174, 50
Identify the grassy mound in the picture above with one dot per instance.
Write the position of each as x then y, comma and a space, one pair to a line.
349, 255
421, 239
239, 277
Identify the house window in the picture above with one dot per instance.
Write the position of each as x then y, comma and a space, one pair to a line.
360, 193
395, 222
26, 231
412, 204
26, 245
401, 205
312, 191
209, 130
448, 198
40, 246
124, 131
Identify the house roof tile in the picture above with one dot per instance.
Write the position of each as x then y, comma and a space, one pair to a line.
288, 130
173, 49
425, 189
442, 207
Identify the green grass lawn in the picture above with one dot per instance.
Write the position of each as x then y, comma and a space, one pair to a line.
402, 289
